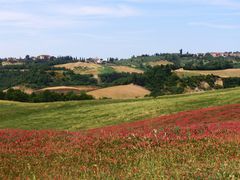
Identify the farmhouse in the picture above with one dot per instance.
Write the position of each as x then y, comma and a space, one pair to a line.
95, 60
217, 54
44, 57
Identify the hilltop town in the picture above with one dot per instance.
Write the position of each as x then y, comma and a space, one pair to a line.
18, 61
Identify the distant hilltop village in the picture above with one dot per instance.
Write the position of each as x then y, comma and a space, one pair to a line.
214, 54
225, 54
19, 61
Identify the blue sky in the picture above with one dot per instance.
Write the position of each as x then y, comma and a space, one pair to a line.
117, 28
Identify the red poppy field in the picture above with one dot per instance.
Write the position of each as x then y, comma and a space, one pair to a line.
203, 143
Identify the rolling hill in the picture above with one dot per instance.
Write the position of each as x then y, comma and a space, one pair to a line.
95, 69
222, 73
92, 114
199, 144
120, 92
126, 69
82, 68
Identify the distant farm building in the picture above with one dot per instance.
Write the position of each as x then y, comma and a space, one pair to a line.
44, 57
225, 54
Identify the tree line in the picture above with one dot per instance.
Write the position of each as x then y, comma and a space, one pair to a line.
38, 77
46, 96
162, 80
209, 65
186, 61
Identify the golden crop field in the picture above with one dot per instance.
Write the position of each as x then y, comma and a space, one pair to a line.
222, 73
158, 63
82, 68
121, 92
126, 69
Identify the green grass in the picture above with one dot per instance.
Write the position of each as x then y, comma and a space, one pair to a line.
79, 115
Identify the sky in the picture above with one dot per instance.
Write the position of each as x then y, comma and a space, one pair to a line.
117, 28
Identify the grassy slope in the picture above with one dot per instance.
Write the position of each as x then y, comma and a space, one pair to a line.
221, 73
126, 69
91, 114
159, 63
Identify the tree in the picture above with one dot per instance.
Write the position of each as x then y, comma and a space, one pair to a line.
2, 95
27, 58
16, 95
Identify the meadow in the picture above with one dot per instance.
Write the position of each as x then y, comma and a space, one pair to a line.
199, 144
74, 116
190, 136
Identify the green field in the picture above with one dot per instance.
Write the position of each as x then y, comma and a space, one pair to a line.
80, 115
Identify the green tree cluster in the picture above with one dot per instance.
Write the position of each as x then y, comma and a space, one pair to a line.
46, 96
209, 65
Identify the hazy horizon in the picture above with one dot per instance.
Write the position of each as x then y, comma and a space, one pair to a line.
102, 28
